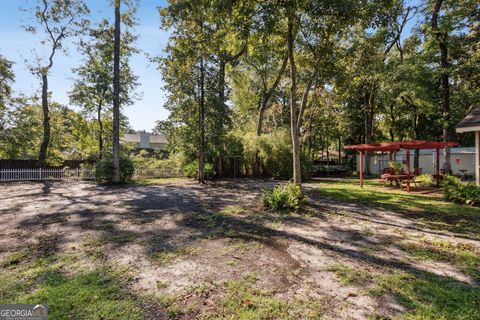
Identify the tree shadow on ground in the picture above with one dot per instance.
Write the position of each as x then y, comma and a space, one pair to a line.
196, 212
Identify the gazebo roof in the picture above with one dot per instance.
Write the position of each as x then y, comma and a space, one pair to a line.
396, 146
470, 122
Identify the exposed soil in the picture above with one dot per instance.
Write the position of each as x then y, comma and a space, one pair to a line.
176, 237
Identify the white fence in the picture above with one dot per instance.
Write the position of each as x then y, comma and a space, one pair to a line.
78, 174
46, 174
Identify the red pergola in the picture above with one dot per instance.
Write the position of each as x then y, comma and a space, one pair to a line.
407, 146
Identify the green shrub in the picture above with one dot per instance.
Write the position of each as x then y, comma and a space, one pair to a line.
426, 180
191, 170
395, 166
284, 197
455, 190
104, 169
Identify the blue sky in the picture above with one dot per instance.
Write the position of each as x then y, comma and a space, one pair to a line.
16, 45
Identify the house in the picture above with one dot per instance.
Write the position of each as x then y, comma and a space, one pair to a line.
471, 123
145, 141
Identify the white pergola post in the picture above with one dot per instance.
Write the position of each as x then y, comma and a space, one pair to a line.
477, 158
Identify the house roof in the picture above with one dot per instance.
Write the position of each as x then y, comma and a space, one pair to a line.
135, 137
396, 146
470, 122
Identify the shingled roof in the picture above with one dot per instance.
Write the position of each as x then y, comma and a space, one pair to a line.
470, 122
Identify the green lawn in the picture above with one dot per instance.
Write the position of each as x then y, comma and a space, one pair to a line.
70, 290
163, 180
427, 206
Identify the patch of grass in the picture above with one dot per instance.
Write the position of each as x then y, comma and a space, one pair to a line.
90, 295
241, 246
427, 296
171, 304
164, 256
161, 284
178, 180
464, 256
242, 299
430, 209
97, 226
349, 275
122, 239
233, 210
71, 291
44, 246
93, 247
96, 294
15, 258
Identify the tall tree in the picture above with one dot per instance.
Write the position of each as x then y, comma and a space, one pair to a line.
442, 38
116, 96
6, 80
59, 19
93, 90
202, 45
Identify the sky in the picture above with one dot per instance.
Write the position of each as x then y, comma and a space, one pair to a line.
17, 45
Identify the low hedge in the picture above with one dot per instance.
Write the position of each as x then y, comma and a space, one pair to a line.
455, 190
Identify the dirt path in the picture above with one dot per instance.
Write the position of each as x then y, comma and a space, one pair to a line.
186, 240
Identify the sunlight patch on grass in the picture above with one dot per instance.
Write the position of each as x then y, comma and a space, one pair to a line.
91, 295
233, 210
428, 296
429, 209
177, 180
463, 256
69, 291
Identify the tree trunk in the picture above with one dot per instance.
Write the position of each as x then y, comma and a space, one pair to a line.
339, 150
262, 106
261, 114
368, 132
42, 157
201, 125
100, 130
444, 77
297, 176
116, 96
392, 125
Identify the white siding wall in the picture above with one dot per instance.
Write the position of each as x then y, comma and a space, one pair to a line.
426, 161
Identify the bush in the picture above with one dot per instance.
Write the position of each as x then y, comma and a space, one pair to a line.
284, 197
191, 170
395, 166
455, 190
426, 180
104, 169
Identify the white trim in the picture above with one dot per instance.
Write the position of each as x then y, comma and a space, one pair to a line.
467, 129
477, 157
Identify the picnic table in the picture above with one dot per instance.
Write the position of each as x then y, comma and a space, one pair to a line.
397, 178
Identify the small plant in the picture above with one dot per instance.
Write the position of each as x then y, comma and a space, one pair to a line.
284, 197
426, 180
396, 166
191, 170
104, 169
455, 190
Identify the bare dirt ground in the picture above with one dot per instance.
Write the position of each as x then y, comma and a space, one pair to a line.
176, 237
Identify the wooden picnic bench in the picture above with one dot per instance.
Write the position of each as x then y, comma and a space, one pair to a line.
398, 178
